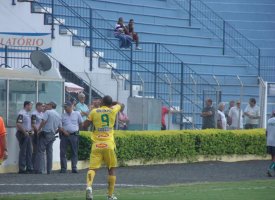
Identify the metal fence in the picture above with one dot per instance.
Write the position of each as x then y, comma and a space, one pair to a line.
155, 63
234, 43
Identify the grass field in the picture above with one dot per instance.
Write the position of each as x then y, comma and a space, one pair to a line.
252, 190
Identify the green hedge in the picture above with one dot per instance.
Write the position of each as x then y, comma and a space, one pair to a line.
186, 144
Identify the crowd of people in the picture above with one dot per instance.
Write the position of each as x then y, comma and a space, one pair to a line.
232, 118
126, 34
37, 130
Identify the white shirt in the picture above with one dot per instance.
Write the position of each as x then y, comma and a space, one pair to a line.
221, 116
236, 115
270, 139
255, 112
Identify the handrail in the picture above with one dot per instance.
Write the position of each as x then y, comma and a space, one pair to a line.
235, 41
152, 66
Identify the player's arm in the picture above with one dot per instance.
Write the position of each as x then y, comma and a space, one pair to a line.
88, 121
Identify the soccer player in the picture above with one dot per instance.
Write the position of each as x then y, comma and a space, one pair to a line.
3, 142
103, 147
270, 142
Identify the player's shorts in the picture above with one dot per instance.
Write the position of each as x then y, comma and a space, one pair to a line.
271, 150
103, 153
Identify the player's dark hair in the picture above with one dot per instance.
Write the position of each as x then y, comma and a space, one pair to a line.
107, 100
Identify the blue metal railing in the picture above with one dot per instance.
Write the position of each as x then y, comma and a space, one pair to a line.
267, 69
234, 43
152, 62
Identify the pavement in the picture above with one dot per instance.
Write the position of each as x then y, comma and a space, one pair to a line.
137, 176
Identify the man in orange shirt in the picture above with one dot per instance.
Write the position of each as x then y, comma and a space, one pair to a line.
3, 143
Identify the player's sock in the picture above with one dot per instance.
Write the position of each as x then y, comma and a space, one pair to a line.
90, 178
111, 185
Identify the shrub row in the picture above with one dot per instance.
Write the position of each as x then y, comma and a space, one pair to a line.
185, 144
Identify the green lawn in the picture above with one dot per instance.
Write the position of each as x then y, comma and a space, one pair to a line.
252, 190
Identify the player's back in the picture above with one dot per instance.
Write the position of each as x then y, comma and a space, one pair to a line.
104, 119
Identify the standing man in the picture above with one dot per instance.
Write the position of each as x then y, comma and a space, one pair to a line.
236, 116
221, 120
82, 108
252, 115
228, 119
23, 135
103, 147
69, 134
37, 119
270, 143
3, 141
51, 121
208, 115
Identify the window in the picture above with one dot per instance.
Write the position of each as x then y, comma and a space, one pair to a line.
19, 91
3, 99
51, 91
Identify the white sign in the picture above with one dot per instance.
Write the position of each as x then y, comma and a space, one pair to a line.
41, 40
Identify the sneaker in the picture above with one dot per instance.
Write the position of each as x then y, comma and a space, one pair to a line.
89, 193
111, 197
74, 171
138, 48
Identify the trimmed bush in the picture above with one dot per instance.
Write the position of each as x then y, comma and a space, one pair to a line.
185, 144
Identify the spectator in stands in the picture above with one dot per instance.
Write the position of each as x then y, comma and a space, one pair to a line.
122, 119
95, 104
228, 119
252, 115
133, 34
208, 115
121, 32
221, 120
82, 107
3, 141
270, 142
236, 116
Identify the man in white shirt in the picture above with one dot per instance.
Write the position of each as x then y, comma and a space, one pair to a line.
252, 115
236, 115
270, 143
221, 120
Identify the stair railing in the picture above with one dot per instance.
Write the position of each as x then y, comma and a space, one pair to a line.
234, 42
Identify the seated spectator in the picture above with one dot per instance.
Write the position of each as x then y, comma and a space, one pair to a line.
121, 32
133, 34
122, 119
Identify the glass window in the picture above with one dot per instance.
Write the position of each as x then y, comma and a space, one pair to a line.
3, 99
51, 91
19, 91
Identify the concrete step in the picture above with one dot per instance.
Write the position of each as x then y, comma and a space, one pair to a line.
35, 8
141, 9
82, 43
247, 16
252, 25
67, 31
242, 7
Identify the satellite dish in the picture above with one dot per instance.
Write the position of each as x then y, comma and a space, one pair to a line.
41, 61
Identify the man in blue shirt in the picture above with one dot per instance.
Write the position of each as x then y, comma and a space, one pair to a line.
82, 107
69, 134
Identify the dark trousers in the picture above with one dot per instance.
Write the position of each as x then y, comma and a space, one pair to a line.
250, 126
45, 143
25, 152
34, 140
71, 140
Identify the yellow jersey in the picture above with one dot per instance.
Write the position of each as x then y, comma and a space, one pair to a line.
104, 119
